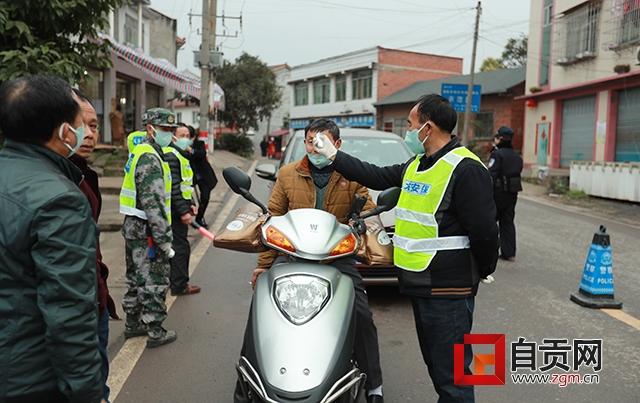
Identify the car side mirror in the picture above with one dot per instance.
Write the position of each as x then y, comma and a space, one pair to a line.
266, 171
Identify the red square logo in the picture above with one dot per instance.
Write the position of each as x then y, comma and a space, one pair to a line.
481, 361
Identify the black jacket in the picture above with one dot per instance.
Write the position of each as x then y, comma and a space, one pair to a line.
48, 308
202, 170
505, 167
469, 210
179, 205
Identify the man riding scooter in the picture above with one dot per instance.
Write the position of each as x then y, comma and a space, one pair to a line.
313, 183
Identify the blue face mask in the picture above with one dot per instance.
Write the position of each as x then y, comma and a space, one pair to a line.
319, 161
184, 143
412, 140
79, 132
162, 137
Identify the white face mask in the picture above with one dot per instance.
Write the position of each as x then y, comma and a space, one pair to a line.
79, 132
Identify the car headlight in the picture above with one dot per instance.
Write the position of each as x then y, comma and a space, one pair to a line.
300, 297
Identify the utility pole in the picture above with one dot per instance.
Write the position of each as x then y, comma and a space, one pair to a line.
467, 110
205, 51
212, 77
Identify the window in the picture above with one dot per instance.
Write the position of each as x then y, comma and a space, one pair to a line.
130, 30
179, 116
548, 13
195, 118
578, 32
361, 82
483, 125
545, 57
321, 91
301, 94
341, 88
629, 25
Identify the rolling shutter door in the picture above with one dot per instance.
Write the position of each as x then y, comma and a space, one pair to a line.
578, 130
628, 130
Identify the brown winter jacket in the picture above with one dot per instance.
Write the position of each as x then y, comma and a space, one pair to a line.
294, 189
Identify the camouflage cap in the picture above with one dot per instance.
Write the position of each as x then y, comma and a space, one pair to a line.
160, 117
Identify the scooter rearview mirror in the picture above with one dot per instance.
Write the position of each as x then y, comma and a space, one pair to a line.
240, 183
237, 180
388, 199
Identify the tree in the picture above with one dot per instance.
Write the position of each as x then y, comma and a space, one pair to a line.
251, 92
513, 55
490, 64
515, 52
54, 37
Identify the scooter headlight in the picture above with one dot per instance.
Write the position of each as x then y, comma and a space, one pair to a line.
301, 297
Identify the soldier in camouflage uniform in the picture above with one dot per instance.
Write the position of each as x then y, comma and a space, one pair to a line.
145, 202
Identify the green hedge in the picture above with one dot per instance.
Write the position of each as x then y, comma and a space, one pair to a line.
236, 143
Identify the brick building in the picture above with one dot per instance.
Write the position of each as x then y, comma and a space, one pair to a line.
345, 87
497, 106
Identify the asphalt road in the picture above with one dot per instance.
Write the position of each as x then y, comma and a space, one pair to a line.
530, 299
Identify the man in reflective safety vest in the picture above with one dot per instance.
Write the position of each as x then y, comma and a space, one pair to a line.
135, 138
182, 210
446, 236
145, 200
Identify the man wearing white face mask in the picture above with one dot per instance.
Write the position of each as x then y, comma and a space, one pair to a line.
145, 200
446, 237
182, 209
313, 183
48, 331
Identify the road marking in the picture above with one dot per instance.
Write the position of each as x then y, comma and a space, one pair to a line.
124, 362
623, 317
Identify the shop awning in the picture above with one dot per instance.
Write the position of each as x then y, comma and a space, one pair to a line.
161, 70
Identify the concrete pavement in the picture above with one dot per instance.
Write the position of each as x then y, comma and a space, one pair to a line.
530, 298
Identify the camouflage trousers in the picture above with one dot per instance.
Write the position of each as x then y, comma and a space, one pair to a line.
147, 284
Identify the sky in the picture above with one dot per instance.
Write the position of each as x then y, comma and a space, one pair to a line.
303, 31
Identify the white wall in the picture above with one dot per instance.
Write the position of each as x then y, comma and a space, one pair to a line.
331, 67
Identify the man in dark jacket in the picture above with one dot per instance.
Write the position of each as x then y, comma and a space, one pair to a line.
182, 211
445, 237
48, 310
90, 188
205, 177
505, 166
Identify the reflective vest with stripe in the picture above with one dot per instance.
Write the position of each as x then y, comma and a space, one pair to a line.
128, 193
416, 239
135, 138
186, 173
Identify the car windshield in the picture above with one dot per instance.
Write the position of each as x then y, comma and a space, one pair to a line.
374, 150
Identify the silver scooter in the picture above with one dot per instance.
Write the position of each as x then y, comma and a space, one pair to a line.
300, 333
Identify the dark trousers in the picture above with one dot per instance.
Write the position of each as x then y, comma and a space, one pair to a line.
506, 210
179, 275
205, 195
103, 341
366, 343
440, 324
366, 338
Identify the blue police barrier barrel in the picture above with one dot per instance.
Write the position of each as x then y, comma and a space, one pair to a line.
596, 285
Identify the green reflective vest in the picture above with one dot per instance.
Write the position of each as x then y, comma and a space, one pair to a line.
135, 138
186, 173
416, 239
128, 193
